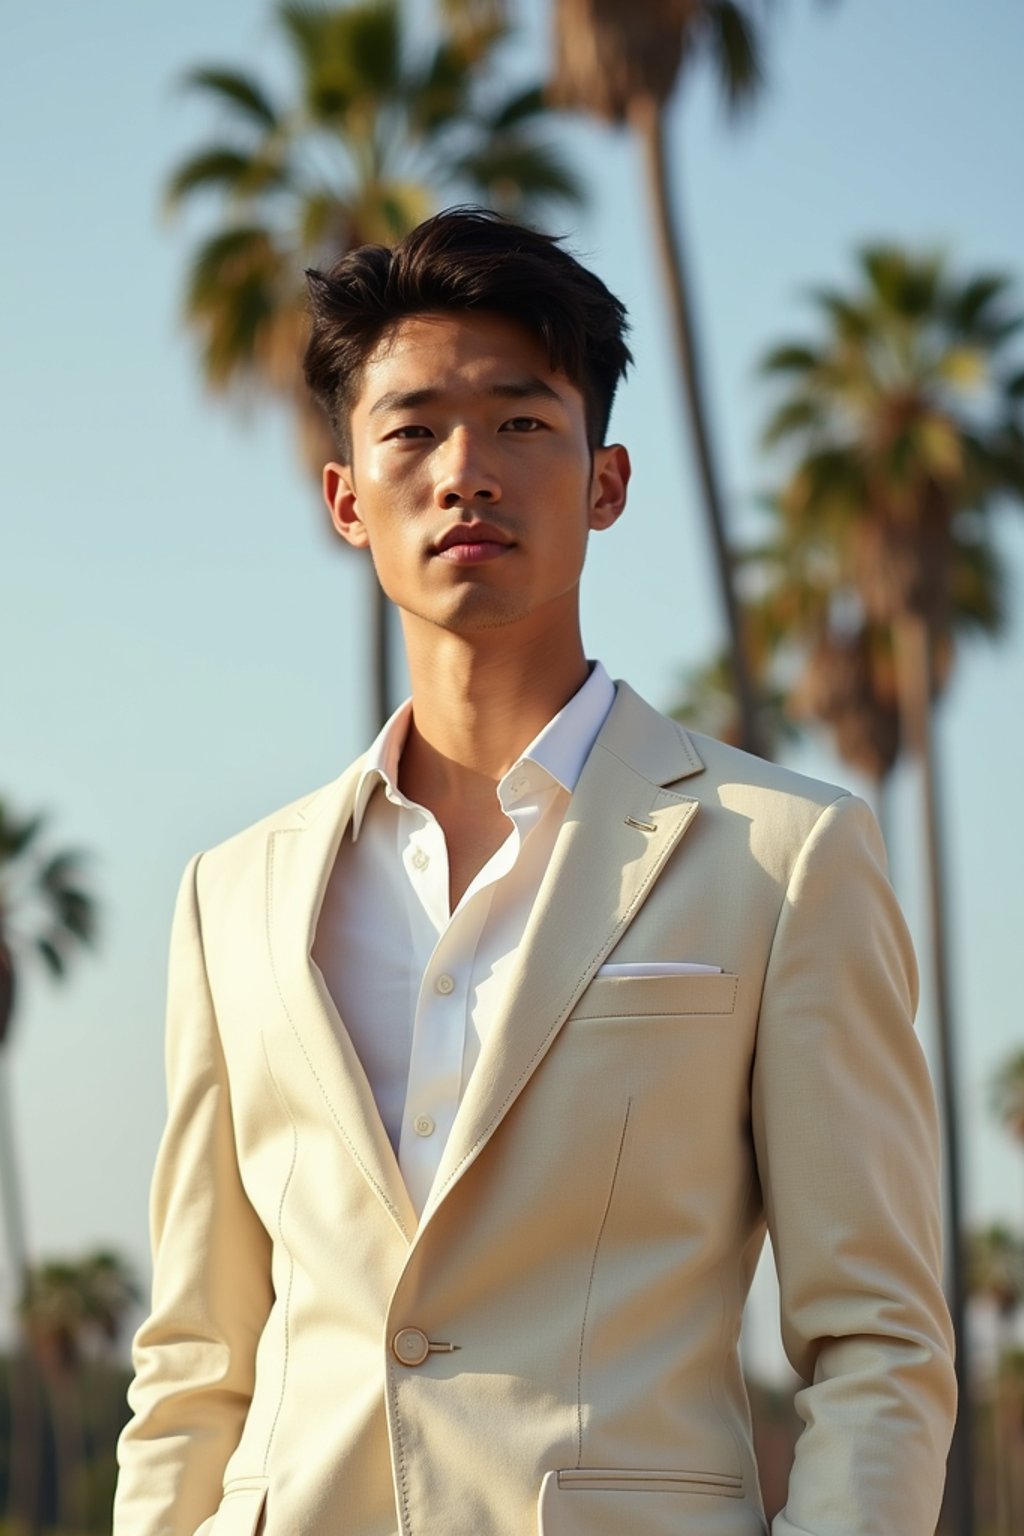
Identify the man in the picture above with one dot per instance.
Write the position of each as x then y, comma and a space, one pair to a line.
489, 1062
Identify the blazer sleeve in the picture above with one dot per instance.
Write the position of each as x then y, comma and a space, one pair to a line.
846, 1141
195, 1354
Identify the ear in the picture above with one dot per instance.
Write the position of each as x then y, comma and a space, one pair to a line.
340, 496
608, 483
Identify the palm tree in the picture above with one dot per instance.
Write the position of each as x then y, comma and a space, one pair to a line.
370, 140
46, 913
622, 64
69, 1309
828, 661
707, 700
996, 1273
904, 424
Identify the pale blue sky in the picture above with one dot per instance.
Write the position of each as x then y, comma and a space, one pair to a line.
183, 646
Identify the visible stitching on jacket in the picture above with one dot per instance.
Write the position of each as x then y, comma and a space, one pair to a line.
288, 1251
590, 1286
326, 1097
402, 1475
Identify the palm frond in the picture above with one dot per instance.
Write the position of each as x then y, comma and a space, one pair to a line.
304, 26
794, 418
979, 586
50, 954
847, 317
738, 53
238, 286
57, 870
438, 94
230, 170
515, 173
789, 358
518, 108
906, 286
236, 90
16, 834
355, 58
970, 303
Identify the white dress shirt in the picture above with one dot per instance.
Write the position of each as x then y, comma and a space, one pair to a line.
416, 985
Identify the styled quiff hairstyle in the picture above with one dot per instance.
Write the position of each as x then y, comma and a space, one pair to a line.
465, 259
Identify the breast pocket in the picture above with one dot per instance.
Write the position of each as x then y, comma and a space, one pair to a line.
652, 997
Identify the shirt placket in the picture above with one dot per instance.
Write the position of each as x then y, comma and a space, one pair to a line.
435, 1082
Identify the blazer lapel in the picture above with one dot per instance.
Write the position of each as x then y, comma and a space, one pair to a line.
619, 830
300, 857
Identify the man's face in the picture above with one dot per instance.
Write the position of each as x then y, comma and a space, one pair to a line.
471, 481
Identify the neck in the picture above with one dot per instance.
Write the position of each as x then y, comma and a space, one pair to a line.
479, 700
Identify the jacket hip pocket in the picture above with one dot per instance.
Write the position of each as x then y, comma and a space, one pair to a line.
241, 1511
608, 1501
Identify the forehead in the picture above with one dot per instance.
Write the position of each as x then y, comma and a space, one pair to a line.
452, 352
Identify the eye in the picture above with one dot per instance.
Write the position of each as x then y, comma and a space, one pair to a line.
522, 424
405, 433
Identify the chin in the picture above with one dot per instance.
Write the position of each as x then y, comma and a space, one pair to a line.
478, 612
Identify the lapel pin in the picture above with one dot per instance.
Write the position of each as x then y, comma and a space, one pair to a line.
641, 826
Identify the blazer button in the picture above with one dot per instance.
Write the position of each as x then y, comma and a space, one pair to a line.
410, 1346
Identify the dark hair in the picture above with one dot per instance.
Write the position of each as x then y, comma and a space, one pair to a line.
465, 259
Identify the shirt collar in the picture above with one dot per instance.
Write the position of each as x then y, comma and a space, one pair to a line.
559, 749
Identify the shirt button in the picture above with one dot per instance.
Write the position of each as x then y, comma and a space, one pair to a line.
410, 1346
420, 860
444, 984
424, 1126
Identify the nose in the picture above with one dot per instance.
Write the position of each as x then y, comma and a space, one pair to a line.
464, 475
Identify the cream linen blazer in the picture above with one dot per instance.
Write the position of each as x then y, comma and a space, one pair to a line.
552, 1349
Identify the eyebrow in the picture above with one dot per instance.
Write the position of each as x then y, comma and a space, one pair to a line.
529, 388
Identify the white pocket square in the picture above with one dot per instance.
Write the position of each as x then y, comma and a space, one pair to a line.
661, 968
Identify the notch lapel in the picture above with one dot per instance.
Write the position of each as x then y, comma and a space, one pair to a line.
300, 858
619, 830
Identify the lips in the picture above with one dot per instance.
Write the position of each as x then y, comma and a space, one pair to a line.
472, 544
471, 533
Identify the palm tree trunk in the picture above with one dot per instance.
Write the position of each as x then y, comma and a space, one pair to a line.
69, 1444
1004, 1431
380, 651
914, 678
26, 1398
1000, 1471
10, 1187
648, 120
883, 812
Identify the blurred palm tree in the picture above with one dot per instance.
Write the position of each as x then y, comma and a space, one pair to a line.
623, 64
819, 652
706, 698
903, 419
70, 1309
46, 914
372, 137
996, 1274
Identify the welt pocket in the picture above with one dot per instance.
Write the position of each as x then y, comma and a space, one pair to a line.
629, 1480
619, 997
